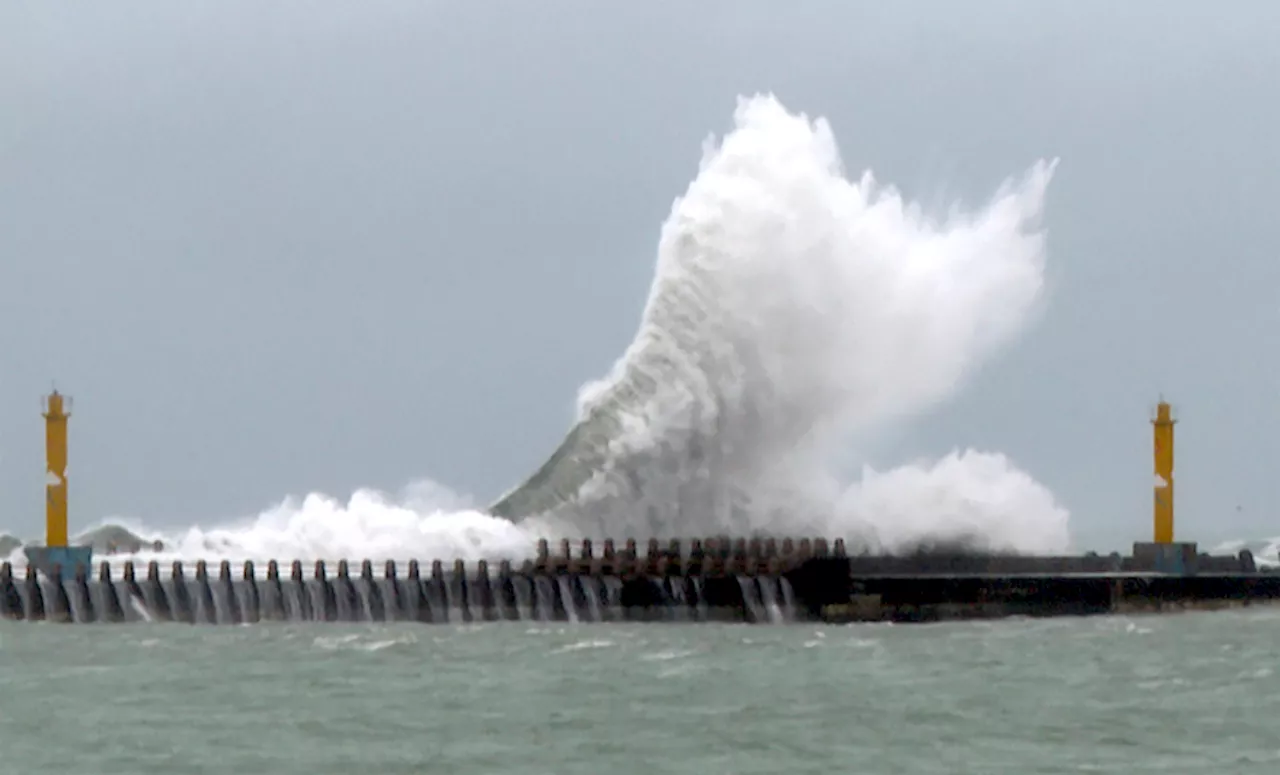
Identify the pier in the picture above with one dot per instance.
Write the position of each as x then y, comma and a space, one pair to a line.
704, 580
712, 579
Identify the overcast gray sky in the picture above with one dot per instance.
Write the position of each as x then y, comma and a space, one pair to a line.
276, 248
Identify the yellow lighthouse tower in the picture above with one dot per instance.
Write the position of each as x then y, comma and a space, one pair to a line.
1162, 554
56, 559
55, 488
1163, 502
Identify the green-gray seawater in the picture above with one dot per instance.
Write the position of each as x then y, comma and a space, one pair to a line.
1186, 693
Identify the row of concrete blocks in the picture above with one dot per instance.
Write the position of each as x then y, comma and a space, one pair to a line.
722, 547
702, 555
441, 597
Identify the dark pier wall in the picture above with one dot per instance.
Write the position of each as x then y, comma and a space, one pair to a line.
456, 595
940, 598
715, 579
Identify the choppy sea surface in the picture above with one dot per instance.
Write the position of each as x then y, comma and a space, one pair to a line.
1183, 693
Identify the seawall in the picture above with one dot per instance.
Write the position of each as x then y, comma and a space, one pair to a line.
703, 580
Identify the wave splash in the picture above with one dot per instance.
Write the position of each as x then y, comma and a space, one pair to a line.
795, 313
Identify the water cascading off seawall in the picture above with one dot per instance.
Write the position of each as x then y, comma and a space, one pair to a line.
715, 580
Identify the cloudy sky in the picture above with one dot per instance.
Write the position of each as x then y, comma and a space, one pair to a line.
287, 247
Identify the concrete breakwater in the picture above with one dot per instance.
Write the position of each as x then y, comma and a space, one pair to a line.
714, 580
455, 596
756, 581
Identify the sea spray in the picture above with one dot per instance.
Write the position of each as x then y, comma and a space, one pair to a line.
793, 312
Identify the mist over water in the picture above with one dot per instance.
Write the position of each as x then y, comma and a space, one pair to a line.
795, 312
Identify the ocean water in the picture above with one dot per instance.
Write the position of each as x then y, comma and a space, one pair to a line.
1185, 693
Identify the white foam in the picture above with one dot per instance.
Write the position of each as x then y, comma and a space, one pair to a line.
1266, 552
368, 525
974, 497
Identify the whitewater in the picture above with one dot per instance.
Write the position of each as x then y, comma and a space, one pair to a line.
795, 314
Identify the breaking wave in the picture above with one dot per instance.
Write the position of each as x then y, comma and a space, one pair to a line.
795, 313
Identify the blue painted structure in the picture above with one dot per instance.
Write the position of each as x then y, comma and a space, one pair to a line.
58, 563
